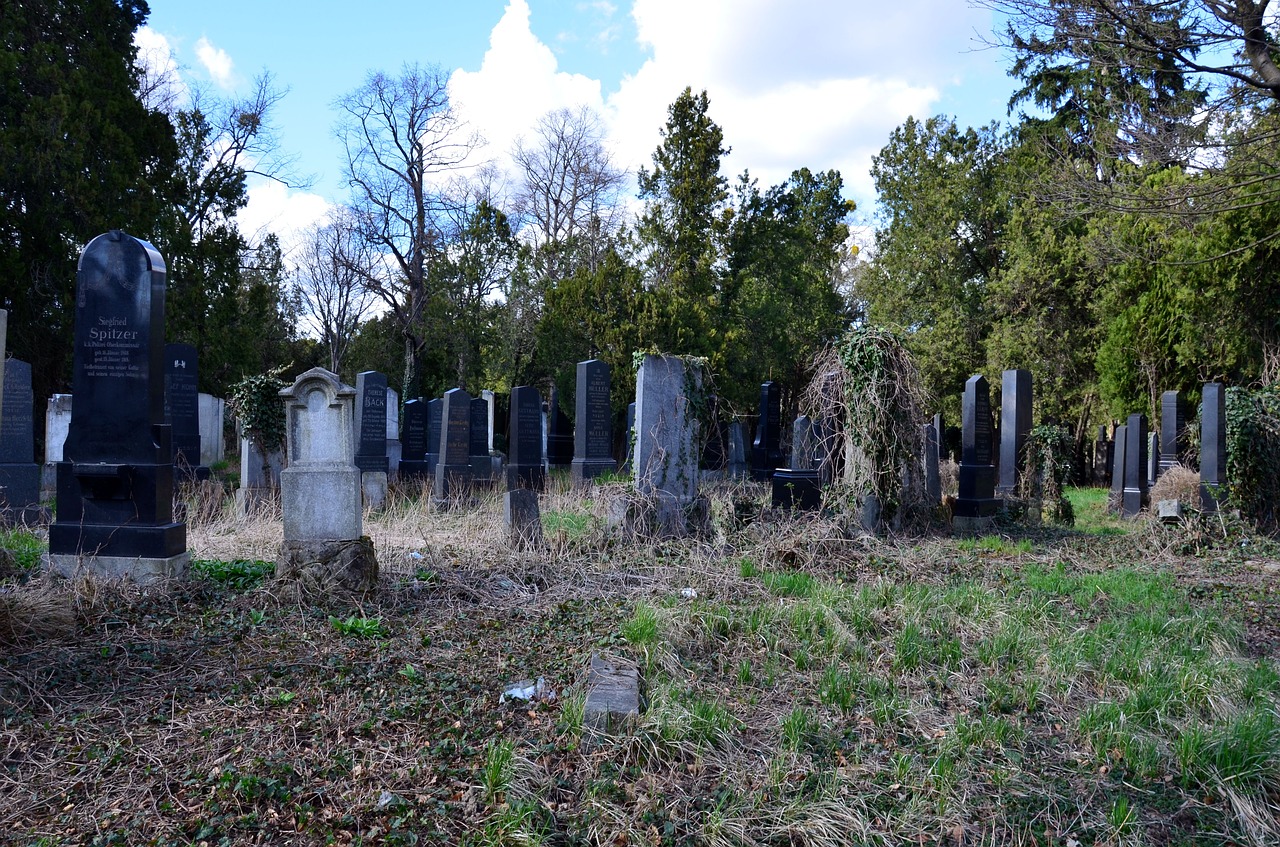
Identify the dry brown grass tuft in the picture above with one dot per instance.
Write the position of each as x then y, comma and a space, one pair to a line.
37, 611
1177, 483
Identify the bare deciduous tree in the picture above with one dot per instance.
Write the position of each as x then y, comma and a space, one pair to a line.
331, 275
400, 137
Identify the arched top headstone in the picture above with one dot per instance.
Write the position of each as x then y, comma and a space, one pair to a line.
318, 408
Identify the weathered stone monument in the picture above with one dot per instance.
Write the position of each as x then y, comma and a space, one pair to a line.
259, 477
413, 458
929, 462
1173, 426
371, 436
559, 433
1135, 466
524, 440
1115, 501
1213, 446
182, 409
435, 424
324, 543
1153, 458
976, 502
802, 444
115, 485
19, 473
766, 449
1015, 426
629, 444
394, 447
212, 414
738, 468
453, 471
57, 422
478, 441
522, 518
799, 486
715, 449
593, 424
941, 431
1101, 456
666, 459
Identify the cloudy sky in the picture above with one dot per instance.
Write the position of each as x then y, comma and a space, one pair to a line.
793, 83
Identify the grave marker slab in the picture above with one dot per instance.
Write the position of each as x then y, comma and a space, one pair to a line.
478, 446
115, 486
453, 471
182, 408
593, 423
1153, 458
737, 451
371, 422
212, 414
559, 433
1213, 445
977, 498
435, 423
766, 449
802, 444
1135, 466
394, 447
1118, 460
1173, 429
932, 478
413, 459
1015, 425
524, 440
19, 473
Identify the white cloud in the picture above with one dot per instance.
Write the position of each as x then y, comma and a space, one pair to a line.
518, 82
217, 63
163, 85
272, 207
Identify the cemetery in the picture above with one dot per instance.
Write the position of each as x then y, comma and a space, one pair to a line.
485, 512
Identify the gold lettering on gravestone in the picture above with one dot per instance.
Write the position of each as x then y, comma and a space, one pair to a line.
110, 348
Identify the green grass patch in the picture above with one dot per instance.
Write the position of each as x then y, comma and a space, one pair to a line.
1092, 517
25, 547
571, 524
237, 575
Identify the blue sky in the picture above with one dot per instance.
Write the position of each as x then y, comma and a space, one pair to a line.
800, 83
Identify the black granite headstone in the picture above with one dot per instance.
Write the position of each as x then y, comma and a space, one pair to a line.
413, 438
524, 464
794, 488
182, 408
478, 440
19, 473
1213, 446
453, 471
1015, 426
559, 434
1135, 466
593, 423
1116, 498
929, 464
1173, 424
766, 449
977, 475
115, 485
1101, 456
371, 422
435, 412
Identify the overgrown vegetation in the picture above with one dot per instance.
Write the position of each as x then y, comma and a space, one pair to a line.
1253, 453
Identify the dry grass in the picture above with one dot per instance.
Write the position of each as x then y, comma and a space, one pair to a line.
1177, 483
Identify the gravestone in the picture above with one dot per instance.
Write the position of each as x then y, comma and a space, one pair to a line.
453, 471
435, 412
522, 519
666, 461
259, 476
413, 459
1153, 458
1135, 466
738, 468
1115, 502
394, 447
212, 413
1101, 456
182, 409
593, 424
941, 432
1173, 425
802, 444
324, 542
1015, 425
559, 434
478, 444
57, 421
491, 400
19, 473
976, 502
524, 440
1213, 445
115, 484
932, 479
766, 449
371, 436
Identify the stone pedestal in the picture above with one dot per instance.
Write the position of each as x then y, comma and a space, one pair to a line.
326, 565
795, 488
522, 518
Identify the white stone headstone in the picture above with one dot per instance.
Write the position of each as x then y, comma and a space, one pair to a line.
666, 428
57, 421
212, 411
320, 489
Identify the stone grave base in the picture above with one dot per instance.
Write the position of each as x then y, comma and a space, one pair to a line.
613, 695
797, 489
138, 569
523, 519
966, 525
373, 486
659, 515
582, 471
326, 565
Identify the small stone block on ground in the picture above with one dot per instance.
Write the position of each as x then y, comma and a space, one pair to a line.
613, 694
1169, 511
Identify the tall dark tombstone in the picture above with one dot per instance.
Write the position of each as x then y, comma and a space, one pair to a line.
115, 485
1135, 466
940, 432
182, 408
1115, 501
802, 444
1213, 446
413, 437
1173, 426
929, 463
19, 473
593, 423
977, 498
559, 434
371, 422
1015, 426
738, 468
1152, 469
524, 439
478, 441
766, 449
435, 413
453, 471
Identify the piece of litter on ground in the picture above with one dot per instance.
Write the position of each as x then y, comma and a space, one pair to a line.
386, 800
527, 689
415, 555
689, 593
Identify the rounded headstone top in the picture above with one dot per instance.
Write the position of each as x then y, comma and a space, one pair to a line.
117, 243
317, 377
